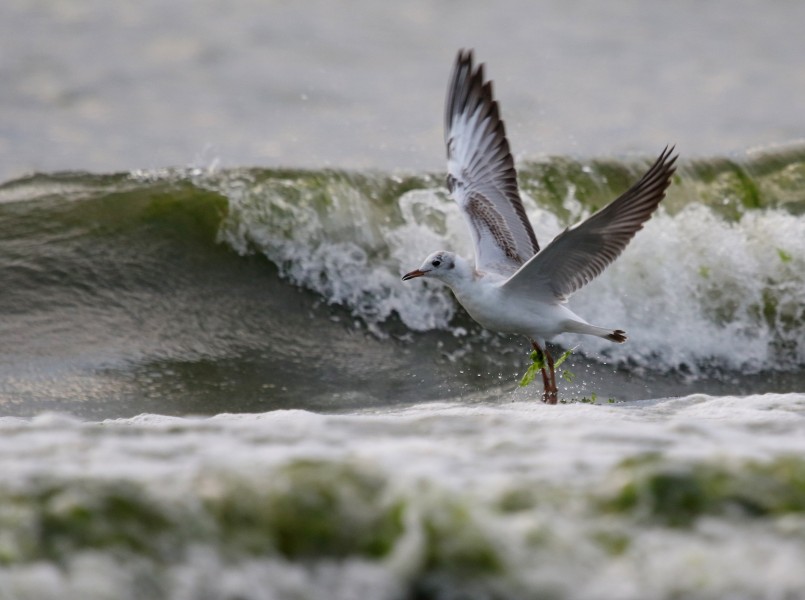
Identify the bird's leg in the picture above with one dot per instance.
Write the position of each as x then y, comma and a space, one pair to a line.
553, 394
546, 381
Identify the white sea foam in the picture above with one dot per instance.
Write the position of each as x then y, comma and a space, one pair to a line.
344, 251
692, 288
695, 289
517, 485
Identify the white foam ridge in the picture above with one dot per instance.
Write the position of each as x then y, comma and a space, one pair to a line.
695, 289
348, 249
692, 289
510, 497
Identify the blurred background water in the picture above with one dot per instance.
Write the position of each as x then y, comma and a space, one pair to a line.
100, 86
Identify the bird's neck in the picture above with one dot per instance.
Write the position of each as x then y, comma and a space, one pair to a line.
461, 277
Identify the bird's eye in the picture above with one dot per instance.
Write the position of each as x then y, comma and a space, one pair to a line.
436, 262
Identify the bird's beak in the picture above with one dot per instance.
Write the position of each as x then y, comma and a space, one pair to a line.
413, 275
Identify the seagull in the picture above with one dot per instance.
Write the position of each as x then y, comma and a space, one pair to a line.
514, 287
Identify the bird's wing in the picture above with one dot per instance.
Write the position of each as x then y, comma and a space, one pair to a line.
580, 253
480, 172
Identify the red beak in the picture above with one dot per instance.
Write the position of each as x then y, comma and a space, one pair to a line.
413, 275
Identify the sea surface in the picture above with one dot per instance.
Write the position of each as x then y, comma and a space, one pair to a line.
214, 384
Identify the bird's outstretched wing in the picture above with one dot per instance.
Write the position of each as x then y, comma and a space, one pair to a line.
480, 172
581, 252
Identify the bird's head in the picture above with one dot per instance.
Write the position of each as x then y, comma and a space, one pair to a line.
440, 265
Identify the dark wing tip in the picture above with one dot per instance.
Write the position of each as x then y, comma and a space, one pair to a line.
465, 59
666, 161
649, 190
660, 173
465, 81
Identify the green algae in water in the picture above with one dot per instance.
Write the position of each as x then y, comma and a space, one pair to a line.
306, 510
310, 509
676, 495
456, 543
517, 500
538, 363
565, 355
784, 256
55, 520
614, 543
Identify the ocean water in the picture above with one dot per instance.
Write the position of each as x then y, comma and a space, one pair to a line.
214, 384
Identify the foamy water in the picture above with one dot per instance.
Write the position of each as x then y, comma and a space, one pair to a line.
508, 500
693, 289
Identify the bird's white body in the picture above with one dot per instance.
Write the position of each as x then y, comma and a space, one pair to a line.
486, 298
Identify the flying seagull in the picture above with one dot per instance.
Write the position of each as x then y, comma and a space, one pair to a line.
514, 287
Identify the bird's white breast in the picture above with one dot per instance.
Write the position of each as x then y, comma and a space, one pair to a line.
489, 304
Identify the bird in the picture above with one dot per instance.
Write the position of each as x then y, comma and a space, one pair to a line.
514, 287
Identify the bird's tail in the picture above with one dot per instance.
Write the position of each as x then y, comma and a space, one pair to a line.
616, 335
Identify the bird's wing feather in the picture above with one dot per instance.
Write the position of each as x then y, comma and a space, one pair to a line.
580, 253
480, 172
